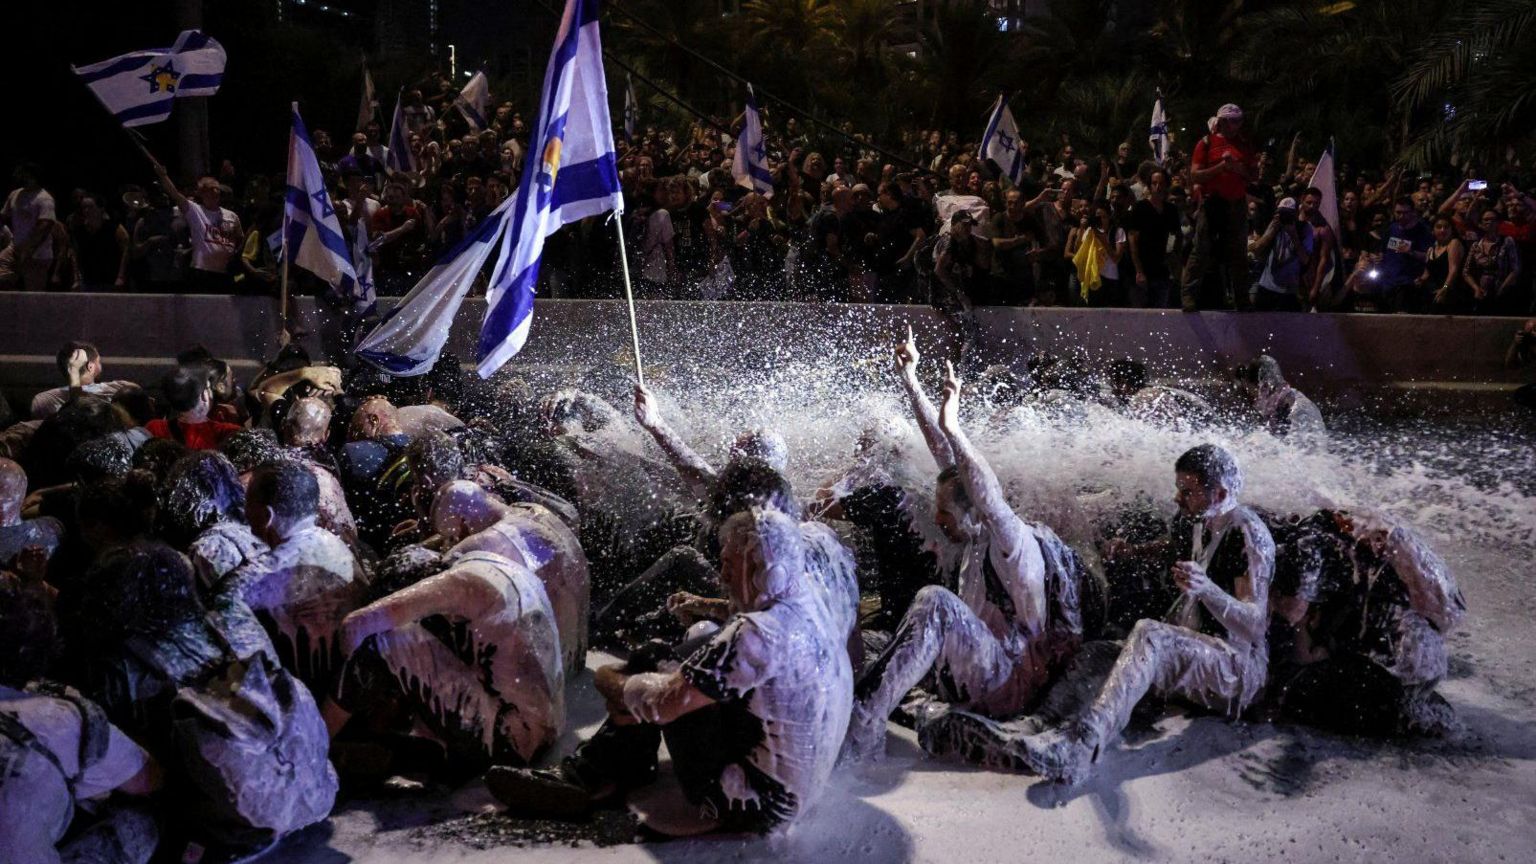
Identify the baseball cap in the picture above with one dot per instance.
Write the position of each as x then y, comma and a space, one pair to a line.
1287, 204
962, 216
1229, 112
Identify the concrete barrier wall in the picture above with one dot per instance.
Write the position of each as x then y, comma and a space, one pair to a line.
1328, 353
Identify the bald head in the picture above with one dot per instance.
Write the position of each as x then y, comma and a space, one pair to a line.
375, 418
462, 508
308, 423
13, 489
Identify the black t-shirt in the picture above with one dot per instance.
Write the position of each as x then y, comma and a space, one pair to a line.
1014, 261
377, 481
895, 235
1153, 229
903, 565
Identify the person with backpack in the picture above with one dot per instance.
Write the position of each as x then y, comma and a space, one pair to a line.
68, 772
1222, 165
245, 748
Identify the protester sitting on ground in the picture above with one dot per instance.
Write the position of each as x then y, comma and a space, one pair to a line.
17, 533
307, 582
185, 681
1362, 610
994, 644
751, 716
1210, 648
80, 364
472, 652
189, 398
62, 756
1286, 411
466, 519
1160, 403
375, 473
203, 512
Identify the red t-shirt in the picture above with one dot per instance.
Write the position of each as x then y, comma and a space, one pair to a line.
1523, 233
1212, 150
207, 435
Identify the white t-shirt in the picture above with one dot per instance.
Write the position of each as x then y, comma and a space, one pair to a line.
1109, 268
658, 237
216, 236
23, 210
47, 403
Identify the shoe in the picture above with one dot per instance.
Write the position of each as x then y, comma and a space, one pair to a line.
538, 793
1058, 755
865, 741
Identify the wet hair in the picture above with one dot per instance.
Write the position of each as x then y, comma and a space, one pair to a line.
184, 388
293, 356
250, 449
436, 453
1213, 466
587, 412
28, 632
61, 359
197, 355
748, 483
957, 490
201, 490
144, 588
157, 455
1264, 371
125, 506
1127, 374
403, 568
100, 459
288, 489
764, 445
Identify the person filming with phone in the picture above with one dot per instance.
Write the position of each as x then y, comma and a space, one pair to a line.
1389, 285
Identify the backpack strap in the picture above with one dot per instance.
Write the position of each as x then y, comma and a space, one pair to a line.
14, 729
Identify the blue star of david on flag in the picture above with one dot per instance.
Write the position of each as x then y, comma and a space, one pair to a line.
162, 78
323, 198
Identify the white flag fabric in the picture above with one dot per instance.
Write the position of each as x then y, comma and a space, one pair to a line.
1157, 133
311, 230
1325, 180
369, 104
398, 157
140, 88
474, 101
1000, 142
572, 140
750, 166
412, 335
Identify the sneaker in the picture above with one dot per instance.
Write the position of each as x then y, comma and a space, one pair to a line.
1058, 755
538, 793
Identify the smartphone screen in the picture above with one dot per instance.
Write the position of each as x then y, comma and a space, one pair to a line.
1477, 185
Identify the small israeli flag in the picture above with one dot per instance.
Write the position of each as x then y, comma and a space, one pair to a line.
311, 231
474, 101
140, 88
1157, 135
1000, 142
750, 167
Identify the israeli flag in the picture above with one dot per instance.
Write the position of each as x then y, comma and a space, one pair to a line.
631, 110
398, 157
572, 141
474, 101
1325, 180
1157, 134
750, 167
1000, 142
140, 88
311, 233
412, 335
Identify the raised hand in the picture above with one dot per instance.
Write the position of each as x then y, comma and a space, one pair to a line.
949, 411
907, 354
646, 412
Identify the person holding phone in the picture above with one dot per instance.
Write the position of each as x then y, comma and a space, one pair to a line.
1402, 262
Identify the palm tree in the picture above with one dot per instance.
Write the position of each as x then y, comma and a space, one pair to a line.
788, 43
958, 70
1472, 89
653, 33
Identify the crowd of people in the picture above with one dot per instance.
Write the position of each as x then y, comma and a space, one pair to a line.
224, 608
1223, 223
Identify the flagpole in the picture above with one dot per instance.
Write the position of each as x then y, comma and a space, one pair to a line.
629, 297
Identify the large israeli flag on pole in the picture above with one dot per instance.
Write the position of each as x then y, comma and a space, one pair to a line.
310, 228
474, 101
750, 167
572, 141
412, 335
1157, 133
140, 88
1000, 142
